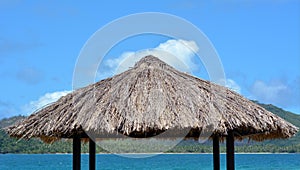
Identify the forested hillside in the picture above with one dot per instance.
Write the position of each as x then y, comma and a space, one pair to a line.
12, 145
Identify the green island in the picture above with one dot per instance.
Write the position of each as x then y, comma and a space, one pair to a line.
34, 146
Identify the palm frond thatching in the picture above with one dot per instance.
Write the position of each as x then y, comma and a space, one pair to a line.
150, 98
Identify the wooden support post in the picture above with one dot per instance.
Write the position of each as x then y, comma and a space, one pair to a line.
92, 154
216, 152
230, 151
76, 152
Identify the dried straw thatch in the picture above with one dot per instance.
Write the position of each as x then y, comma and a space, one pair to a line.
150, 98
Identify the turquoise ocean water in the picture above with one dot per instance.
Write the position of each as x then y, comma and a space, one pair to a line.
159, 162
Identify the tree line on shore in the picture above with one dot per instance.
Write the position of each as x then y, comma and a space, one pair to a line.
292, 145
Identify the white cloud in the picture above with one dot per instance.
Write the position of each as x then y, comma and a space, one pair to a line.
231, 84
182, 49
114, 63
43, 101
276, 93
177, 53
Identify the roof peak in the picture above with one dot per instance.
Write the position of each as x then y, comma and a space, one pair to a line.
150, 60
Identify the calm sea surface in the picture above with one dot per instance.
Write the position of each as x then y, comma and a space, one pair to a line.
159, 162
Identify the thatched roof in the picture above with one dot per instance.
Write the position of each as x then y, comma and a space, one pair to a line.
150, 98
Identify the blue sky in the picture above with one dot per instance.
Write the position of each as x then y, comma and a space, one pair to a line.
257, 42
